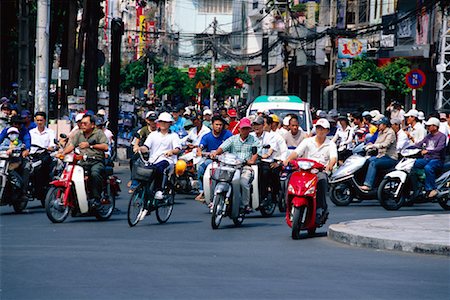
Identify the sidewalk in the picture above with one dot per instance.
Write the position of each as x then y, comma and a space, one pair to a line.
418, 234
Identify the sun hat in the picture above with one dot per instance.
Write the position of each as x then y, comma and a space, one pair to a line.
286, 121
78, 117
207, 112
12, 130
232, 113
412, 113
258, 121
164, 117
151, 115
323, 123
433, 121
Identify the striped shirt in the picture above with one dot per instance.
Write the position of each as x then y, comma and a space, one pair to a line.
242, 149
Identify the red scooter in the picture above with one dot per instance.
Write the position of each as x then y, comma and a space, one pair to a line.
301, 198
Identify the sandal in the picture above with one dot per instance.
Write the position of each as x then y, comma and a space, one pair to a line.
200, 198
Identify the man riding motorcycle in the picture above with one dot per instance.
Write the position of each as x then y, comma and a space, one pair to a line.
196, 133
24, 137
241, 145
92, 142
44, 137
323, 150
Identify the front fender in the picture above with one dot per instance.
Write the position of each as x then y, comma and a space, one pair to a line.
397, 174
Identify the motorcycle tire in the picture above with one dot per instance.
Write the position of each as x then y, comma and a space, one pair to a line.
219, 210
19, 206
281, 203
164, 210
268, 207
238, 220
136, 205
341, 194
386, 194
106, 210
56, 211
297, 217
445, 202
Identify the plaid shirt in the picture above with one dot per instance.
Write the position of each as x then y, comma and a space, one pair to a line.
242, 149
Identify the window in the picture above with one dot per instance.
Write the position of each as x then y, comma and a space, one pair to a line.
255, 4
363, 11
215, 6
351, 13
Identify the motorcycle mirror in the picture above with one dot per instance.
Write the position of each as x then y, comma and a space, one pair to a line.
63, 136
266, 146
254, 150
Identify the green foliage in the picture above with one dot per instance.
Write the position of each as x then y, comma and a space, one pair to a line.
226, 81
173, 82
133, 76
391, 75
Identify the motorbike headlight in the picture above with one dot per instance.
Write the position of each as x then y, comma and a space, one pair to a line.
305, 165
310, 191
68, 158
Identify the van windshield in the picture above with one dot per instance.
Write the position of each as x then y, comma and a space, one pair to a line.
281, 113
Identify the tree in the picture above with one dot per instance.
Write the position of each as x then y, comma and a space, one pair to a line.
365, 70
230, 81
133, 76
174, 83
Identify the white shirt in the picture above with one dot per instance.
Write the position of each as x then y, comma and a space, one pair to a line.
308, 148
195, 136
159, 143
281, 152
345, 138
445, 129
108, 134
418, 132
45, 139
266, 138
402, 140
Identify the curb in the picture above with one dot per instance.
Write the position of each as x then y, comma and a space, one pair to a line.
354, 234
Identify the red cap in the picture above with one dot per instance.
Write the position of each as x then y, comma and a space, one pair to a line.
232, 113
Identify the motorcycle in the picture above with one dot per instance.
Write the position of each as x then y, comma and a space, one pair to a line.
285, 174
70, 193
406, 185
301, 198
187, 181
226, 174
345, 183
11, 189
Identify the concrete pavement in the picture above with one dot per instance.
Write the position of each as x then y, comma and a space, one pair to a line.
419, 234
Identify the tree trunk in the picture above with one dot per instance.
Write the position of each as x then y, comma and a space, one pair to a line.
74, 80
71, 33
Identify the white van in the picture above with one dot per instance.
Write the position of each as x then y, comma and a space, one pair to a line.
283, 105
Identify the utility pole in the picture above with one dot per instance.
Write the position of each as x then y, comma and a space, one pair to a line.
443, 69
42, 53
286, 50
213, 67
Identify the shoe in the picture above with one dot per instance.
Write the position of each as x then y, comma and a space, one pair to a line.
142, 214
321, 216
432, 194
159, 195
247, 209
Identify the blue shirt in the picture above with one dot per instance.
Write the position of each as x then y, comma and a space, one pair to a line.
211, 143
32, 125
24, 136
178, 126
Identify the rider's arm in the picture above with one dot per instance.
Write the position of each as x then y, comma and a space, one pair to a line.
26, 138
390, 139
333, 157
68, 149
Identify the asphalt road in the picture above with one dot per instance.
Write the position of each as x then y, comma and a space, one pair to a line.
185, 259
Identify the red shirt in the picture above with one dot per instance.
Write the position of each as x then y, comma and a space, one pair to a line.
234, 127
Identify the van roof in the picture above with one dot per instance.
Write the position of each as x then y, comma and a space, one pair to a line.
266, 99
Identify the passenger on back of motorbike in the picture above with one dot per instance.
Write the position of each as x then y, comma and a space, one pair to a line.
433, 155
385, 143
209, 143
21, 135
196, 133
241, 145
44, 137
163, 146
93, 143
324, 151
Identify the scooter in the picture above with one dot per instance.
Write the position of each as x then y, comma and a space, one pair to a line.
406, 185
187, 181
226, 198
301, 199
70, 193
11, 189
345, 183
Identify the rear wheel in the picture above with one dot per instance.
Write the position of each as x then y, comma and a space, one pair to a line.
56, 211
386, 194
218, 210
297, 221
238, 220
164, 210
445, 202
136, 205
108, 203
19, 205
268, 207
341, 194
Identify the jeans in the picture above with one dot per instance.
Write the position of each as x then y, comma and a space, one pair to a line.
431, 166
376, 164
159, 175
201, 171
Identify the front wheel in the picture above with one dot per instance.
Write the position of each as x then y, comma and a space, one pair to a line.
341, 194
445, 202
108, 203
56, 211
218, 210
164, 210
297, 221
386, 194
136, 205
268, 207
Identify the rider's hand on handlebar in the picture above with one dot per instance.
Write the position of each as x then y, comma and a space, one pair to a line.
424, 152
169, 153
136, 148
285, 163
25, 153
83, 145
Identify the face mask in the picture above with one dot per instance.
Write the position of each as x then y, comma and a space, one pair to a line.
13, 136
